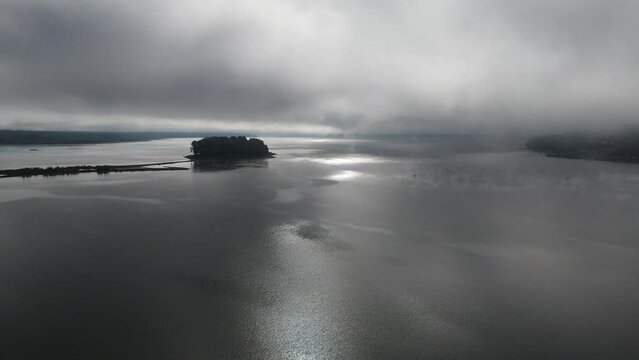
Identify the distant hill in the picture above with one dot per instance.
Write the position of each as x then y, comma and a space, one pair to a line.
26, 137
618, 147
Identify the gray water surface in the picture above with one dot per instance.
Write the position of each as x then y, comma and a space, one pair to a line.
415, 248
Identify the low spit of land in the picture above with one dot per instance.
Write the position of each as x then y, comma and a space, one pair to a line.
216, 148
83, 169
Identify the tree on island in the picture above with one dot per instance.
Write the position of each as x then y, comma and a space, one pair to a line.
229, 147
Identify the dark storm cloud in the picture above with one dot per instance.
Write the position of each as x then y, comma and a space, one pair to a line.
360, 66
118, 58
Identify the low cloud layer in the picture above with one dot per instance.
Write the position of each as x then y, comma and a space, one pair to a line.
348, 66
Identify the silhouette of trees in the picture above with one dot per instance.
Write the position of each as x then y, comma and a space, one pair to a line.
229, 147
620, 148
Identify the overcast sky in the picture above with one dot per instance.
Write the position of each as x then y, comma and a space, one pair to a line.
354, 66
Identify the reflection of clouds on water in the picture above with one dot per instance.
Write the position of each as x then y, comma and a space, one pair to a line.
102, 180
345, 175
288, 195
122, 198
7, 195
369, 229
342, 160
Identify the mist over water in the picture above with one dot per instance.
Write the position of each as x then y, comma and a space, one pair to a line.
413, 247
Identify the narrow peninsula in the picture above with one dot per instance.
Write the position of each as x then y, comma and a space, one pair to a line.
208, 148
83, 169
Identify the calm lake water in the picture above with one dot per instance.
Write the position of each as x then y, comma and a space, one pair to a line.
408, 248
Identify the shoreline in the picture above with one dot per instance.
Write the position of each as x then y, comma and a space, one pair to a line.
87, 169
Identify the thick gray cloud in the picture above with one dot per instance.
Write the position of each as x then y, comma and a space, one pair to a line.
351, 65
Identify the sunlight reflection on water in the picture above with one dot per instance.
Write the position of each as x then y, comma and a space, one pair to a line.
345, 175
324, 251
342, 160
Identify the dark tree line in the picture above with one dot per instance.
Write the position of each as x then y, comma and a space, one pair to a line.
620, 148
27, 137
229, 147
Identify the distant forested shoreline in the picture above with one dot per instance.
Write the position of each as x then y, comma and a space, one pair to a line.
28, 137
617, 147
